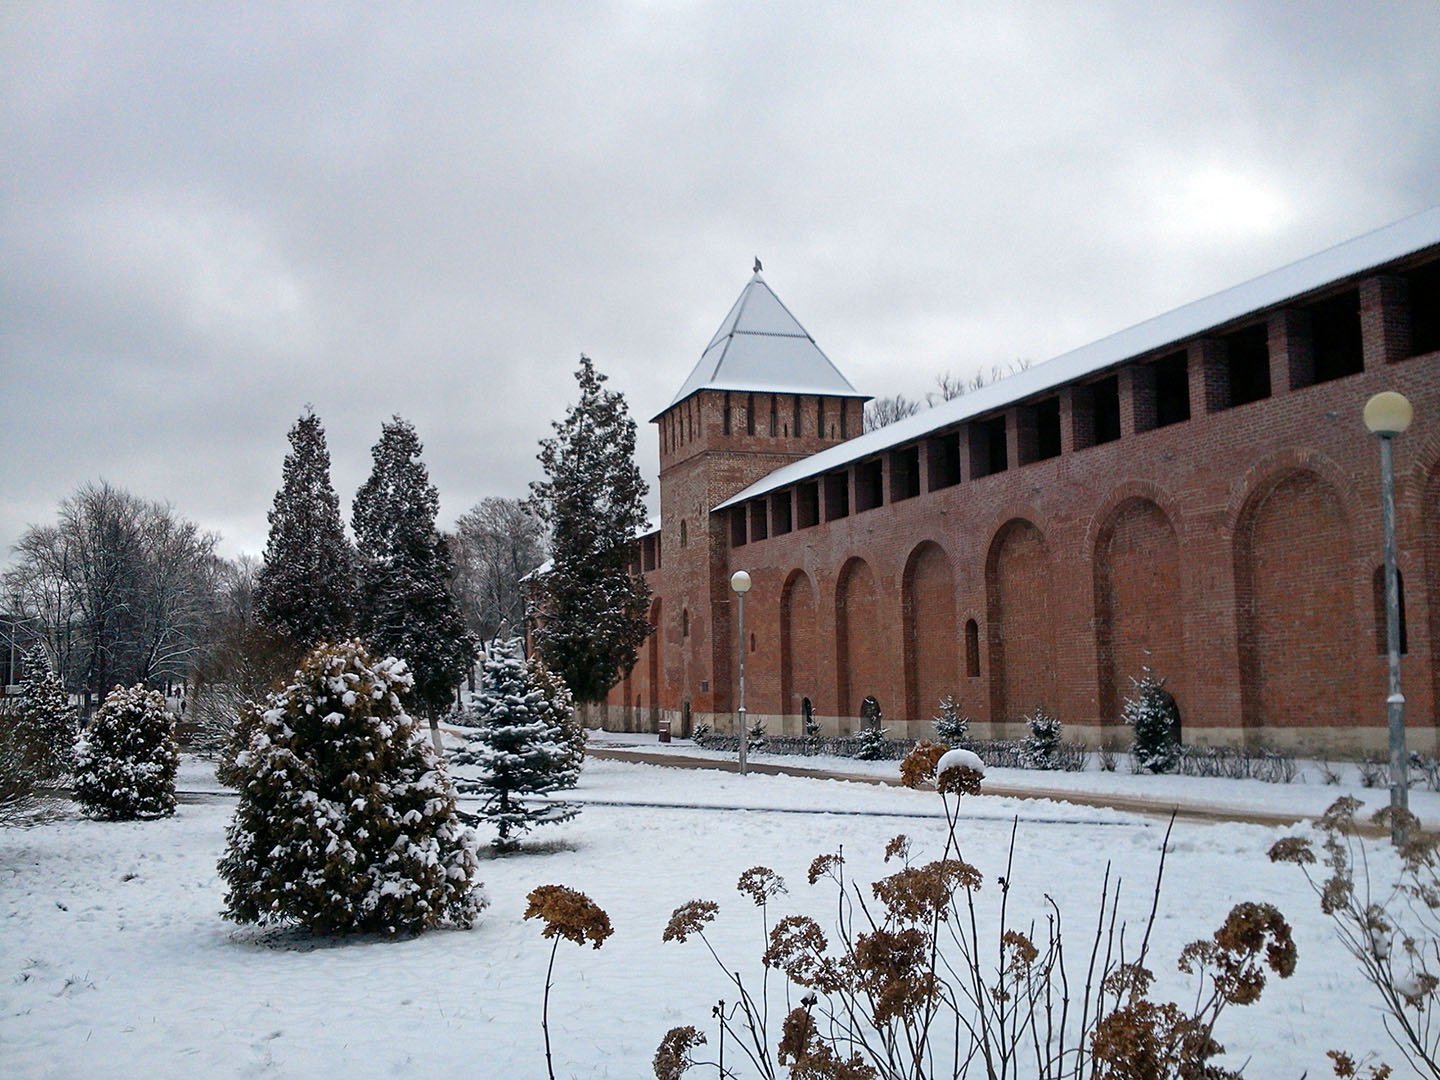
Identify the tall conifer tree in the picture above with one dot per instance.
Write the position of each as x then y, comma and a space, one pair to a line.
593, 610
306, 589
407, 607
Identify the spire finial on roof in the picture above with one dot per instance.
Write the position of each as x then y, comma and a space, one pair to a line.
757, 264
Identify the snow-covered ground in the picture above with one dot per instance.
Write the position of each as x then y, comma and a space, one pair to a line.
114, 961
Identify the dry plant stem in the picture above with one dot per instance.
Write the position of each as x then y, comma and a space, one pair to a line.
545, 1009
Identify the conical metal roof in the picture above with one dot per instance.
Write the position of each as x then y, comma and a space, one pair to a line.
762, 347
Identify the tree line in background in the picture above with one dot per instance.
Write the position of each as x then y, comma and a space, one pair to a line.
882, 412
122, 590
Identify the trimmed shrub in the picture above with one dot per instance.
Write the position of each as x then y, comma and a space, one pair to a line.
346, 820
125, 762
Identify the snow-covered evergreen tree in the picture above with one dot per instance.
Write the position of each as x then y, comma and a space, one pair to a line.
952, 727
559, 708
1152, 712
755, 738
516, 751
45, 725
125, 761
871, 736
306, 589
592, 609
346, 821
1041, 748
407, 607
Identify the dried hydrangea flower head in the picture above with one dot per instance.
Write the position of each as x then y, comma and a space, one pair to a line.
760, 883
959, 771
690, 918
568, 913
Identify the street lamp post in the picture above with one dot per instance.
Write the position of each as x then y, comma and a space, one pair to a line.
1387, 415
740, 582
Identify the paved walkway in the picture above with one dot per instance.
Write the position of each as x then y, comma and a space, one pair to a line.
1138, 804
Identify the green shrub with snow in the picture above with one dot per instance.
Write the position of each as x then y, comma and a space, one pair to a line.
125, 761
45, 722
1041, 748
1152, 712
558, 706
516, 748
346, 820
871, 736
952, 727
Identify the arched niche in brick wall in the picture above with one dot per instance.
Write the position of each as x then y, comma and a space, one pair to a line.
798, 674
932, 667
1137, 603
859, 661
653, 668
1298, 633
1020, 630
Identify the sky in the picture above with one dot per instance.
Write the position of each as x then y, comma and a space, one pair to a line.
213, 216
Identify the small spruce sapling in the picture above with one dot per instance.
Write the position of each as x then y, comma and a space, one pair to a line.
952, 727
1152, 712
126, 760
1041, 748
756, 737
346, 820
870, 739
45, 725
516, 749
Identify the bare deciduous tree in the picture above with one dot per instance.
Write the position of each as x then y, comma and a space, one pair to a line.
496, 543
882, 412
122, 589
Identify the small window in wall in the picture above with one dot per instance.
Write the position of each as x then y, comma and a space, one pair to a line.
844, 416
795, 428
774, 416
1422, 287
684, 533
869, 485
820, 417
1335, 342
648, 548
1040, 424
750, 414
726, 426
972, 649
1247, 364
943, 453
759, 521
1105, 410
1172, 389
837, 495
904, 473
685, 622
988, 451
1382, 635
807, 504
780, 513
737, 527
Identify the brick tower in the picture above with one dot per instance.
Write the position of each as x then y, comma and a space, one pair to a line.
763, 395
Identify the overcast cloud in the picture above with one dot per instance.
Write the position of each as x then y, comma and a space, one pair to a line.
211, 216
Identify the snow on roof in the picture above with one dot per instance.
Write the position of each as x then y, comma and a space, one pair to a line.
761, 346
1405, 237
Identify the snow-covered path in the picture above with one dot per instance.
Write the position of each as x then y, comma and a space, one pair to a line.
114, 960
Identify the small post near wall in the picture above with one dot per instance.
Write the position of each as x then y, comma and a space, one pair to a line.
1387, 415
740, 583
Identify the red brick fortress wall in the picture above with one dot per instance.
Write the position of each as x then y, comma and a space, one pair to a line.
1211, 512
